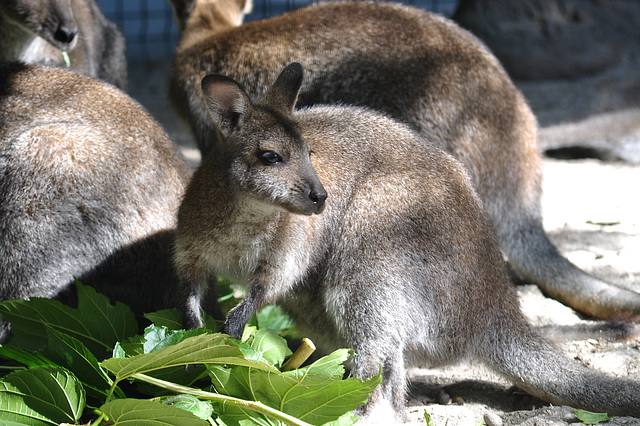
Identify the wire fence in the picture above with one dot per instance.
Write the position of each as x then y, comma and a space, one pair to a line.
151, 31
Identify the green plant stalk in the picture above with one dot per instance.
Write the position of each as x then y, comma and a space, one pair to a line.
111, 390
11, 368
65, 57
99, 419
256, 406
300, 356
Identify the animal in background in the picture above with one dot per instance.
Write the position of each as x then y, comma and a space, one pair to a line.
90, 188
419, 68
402, 265
39, 31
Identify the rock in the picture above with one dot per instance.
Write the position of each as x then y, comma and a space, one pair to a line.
492, 419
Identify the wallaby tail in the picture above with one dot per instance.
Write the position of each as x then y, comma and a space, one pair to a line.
540, 262
539, 368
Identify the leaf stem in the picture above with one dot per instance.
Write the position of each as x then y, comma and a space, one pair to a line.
111, 390
99, 419
256, 406
299, 356
11, 368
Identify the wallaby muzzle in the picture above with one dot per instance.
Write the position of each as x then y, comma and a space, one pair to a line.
66, 34
318, 197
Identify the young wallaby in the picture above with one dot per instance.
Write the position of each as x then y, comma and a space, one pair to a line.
90, 188
418, 68
402, 265
39, 31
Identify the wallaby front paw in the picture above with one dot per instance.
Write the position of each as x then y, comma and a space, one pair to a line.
233, 330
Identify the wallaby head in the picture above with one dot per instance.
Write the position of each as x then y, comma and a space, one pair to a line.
52, 20
210, 13
65, 34
267, 157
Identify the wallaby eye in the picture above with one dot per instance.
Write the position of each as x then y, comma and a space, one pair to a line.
270, 157
311, 152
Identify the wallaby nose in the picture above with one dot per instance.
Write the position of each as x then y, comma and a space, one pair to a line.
318, 197
65, 34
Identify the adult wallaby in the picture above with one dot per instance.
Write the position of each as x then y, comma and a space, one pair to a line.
39, 31
418, 68
90, 188
402, 265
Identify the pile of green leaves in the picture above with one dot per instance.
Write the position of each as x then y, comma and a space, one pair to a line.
90, 365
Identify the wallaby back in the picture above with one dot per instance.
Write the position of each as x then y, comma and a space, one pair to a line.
402, 265
37, 32
418, 68
90, 188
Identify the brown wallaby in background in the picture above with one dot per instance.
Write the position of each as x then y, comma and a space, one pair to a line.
38, 31
402, 265
418, 68
90, 188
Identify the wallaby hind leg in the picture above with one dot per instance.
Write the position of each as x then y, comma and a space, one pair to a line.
372, 357
350, 321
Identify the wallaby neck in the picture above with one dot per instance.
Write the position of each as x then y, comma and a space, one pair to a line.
18, 43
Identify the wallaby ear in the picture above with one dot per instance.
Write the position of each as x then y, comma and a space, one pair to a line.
283, 95
182, 10
227, 102
246, 7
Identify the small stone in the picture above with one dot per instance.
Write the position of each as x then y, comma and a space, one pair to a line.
443, 397
492, 419
458, 400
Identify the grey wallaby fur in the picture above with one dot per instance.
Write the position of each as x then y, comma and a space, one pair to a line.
38, 31
420, 69
90, 189
402, 265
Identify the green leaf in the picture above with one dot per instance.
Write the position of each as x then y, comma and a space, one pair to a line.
96, 323
200, 409
270, 346
225, 401
70, 353
347, 419
24, 357
41, 396
427, 418
111, 323
158, 337
132, 346
27, 324
317, 394
170, 318
274, 318
590, 418
118, 351
202, 349
135, 412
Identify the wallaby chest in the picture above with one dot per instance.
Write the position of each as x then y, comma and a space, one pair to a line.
242, 242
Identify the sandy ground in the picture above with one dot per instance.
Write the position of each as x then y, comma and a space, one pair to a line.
592, 213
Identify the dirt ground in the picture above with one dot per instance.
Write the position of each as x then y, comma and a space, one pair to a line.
592, 213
